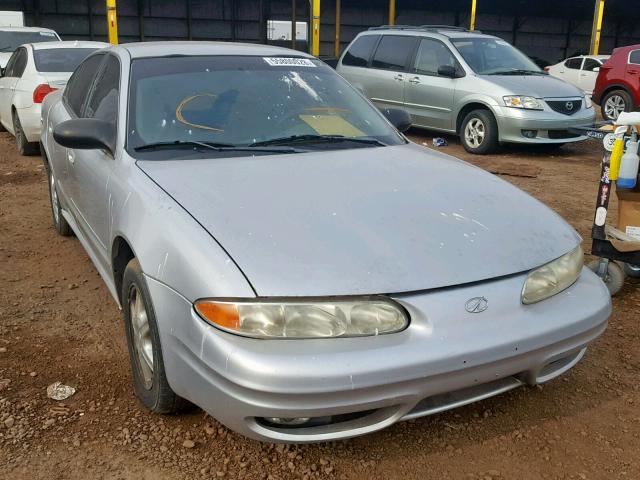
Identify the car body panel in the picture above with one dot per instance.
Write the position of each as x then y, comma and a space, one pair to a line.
435, 102
344, 222
616, 73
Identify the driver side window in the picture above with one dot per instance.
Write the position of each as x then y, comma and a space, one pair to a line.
103, 102
79, 84
432, 55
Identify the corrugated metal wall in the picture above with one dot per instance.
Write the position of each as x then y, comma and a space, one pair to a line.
544, 28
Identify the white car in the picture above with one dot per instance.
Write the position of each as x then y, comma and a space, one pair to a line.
33, 71
12, 37
580, 71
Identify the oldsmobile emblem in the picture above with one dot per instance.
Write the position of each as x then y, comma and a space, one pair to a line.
476, 305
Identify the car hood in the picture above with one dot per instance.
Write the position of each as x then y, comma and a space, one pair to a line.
363, 221
539, 86
4, 58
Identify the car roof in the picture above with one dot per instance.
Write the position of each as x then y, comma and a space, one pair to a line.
26, 29
445, 31
163, 49
67, 44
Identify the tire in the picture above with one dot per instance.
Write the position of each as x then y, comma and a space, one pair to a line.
614, 103
143, 340
479, 132
60, 225
24, 146
631, 270
614, 277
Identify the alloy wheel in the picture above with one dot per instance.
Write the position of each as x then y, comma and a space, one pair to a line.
614, 106
142, 341
474, 132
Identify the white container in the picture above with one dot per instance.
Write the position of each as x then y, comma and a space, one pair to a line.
629, 166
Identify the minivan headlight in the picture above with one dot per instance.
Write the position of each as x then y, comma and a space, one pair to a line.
519, 101
297, 319
553, 278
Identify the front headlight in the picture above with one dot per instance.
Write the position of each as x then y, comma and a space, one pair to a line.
587, 102
320, 318
552, 278
519, 101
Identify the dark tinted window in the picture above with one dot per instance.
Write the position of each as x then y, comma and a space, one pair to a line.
634, 57
573, 63
432, 55
590, 64
360, 51
392, 52
10, 40
80, 82
103, 103
8, 71
60, 59
20, 63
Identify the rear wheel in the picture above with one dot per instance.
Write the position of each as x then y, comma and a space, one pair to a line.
143, 339
24, 146
479, 132
614, 103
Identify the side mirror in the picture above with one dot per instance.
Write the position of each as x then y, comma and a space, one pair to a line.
398, 117
597, 69
86, 134
448, 71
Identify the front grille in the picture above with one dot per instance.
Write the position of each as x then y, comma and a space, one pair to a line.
566, 107
561, 134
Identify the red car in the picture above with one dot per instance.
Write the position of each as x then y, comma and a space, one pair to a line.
618, 84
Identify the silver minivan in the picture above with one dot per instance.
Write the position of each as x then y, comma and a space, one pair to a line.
478, 86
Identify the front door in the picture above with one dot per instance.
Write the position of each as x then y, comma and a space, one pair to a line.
428, 96
388, 72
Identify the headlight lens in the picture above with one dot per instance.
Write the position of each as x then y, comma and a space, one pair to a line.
552, 278
587, 102
304, 319
519, 101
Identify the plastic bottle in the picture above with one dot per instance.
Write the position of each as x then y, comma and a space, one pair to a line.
628, 175
616, 156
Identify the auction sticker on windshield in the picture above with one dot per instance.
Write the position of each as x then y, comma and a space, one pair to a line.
288, 62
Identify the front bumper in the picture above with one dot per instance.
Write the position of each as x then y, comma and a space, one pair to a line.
446, 358
549, 126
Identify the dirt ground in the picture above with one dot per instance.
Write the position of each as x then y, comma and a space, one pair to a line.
59, 323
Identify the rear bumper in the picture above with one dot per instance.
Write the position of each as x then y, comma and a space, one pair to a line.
549, 126
446, 358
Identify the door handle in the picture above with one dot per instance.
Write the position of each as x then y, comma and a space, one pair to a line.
71, 156
414, 80
634, 72
399, 77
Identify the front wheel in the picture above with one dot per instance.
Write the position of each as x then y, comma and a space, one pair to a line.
614, 103
479, 132
143, 339
613, 277
59, 222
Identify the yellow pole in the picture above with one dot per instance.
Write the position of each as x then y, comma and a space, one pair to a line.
598, 14
337, 45
112, 22
472, 26
315, 29
392, 12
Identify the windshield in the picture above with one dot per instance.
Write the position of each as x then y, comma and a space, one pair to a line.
9, 41
487, 56
247, 101
60, 59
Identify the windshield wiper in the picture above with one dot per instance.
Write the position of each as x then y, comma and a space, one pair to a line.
296, 139
518, 72
218, 147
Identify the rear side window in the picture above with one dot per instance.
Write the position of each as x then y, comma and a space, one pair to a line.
392, 52
634, 57
573, 63
360, 51
103, 103
60, 59
80, 83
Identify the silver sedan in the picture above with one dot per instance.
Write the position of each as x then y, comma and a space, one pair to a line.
285, 259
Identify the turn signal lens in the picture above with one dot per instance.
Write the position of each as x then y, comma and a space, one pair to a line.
305, 319
42, 91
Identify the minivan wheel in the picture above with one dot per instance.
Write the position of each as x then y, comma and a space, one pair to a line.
479, 132
614, 103
143, 340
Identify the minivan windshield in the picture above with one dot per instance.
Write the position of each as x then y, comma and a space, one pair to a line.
11, 40
247, 102
493, 56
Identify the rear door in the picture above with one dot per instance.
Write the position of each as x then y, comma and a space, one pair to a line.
388, 73
429, 97
632, 74
8, 86
587, 78
571, 71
